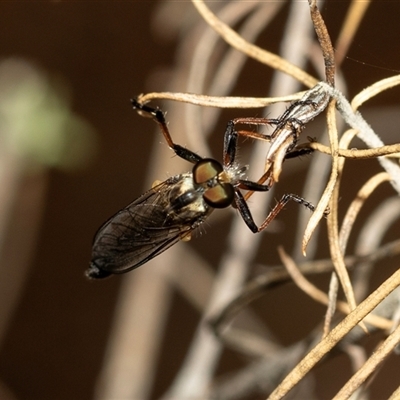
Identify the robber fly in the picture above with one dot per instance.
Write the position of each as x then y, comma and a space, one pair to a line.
171, 210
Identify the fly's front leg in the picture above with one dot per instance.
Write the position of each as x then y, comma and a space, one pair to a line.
231, 135
240, 202
159, 117
243, 208
298, 152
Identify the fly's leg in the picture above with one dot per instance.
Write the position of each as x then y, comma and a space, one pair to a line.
231, 135
230, 145
298, 152
159, 118
279, 206
244, 210
231, 138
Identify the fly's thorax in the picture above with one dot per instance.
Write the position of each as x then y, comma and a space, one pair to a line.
187, 197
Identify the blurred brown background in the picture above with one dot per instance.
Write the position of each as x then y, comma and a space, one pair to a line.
104, 51
108, 52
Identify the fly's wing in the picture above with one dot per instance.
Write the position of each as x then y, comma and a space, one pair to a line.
137, 233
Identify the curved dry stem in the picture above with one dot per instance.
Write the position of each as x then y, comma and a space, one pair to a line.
219, 101
323, 347
321, 297
395, 395
392, 150
203, 58
326, 196
370, 365
251, 50
370, 238
335, 244
339, 266
231, 65
373, 90
331, 303
256, 287
366, 190
349, 29
325, 42
365, 132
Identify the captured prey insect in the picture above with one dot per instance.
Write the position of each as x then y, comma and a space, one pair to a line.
170, 211
288, 128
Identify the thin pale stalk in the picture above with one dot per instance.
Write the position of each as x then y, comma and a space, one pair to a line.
349, 28
318, 295
219, 101
365, 133
201, 62
365, 191
253, 51
370, 365
370, 238
323, 347
392, 150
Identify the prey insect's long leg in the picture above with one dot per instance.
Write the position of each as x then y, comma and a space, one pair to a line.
159, 117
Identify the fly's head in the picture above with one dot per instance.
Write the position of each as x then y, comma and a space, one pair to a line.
216, 183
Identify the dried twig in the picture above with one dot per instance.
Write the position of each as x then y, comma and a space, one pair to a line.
337, 334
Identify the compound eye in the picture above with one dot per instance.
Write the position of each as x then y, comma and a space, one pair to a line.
219, 196
206, 169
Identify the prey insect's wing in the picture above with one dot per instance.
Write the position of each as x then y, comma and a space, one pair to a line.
138, 233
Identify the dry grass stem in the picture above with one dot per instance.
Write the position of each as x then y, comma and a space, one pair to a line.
370, 365
351, 24
331, 303
365, 133
391, 150
322, 205
366, 190
325, 43
256, 287
336, 335
251, 50
318, 295
395, 395
219, 101
373, 90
